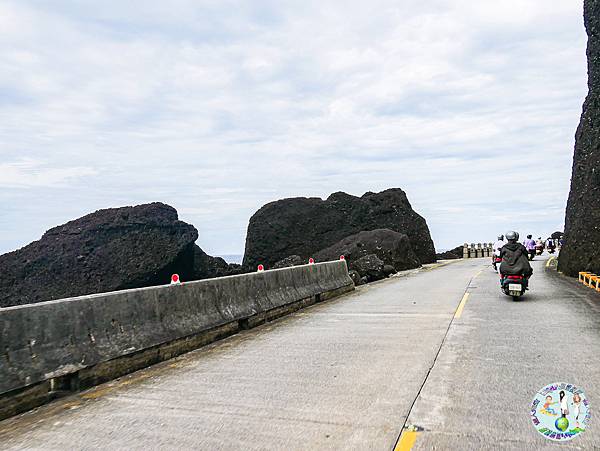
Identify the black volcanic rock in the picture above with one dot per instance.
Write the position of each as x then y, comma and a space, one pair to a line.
392, 248
303, 226
370, 268
452, 254
292, 260
581, 251
207, 267
355, 276
108, 250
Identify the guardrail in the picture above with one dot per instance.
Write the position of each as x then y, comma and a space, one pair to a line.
49, 348
590, 280
478, 250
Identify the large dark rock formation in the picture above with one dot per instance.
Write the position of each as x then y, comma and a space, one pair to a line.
370, 267
452, 254
581, 251
207, 266
292, 260
302, 226
108, 250
392, 248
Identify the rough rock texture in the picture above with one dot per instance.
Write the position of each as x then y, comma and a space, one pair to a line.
112, 249
370, 268
581, 251
452, 254
303, 226
355, 276
389, 270
292, 260
207, 267
107, 250
393, 248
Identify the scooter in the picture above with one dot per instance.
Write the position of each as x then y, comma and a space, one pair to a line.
514, 286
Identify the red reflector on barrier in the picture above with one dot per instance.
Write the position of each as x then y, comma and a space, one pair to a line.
175, 279
260, 268
311, 261
342, 257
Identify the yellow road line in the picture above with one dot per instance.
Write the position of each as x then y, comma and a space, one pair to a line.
407, 441
461, 306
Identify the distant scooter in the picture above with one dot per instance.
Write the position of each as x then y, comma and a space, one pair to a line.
539, 249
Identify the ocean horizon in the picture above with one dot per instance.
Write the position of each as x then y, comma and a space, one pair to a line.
232, 258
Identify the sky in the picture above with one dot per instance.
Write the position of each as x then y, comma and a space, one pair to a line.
218, 107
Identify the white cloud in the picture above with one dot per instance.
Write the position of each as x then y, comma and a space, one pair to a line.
219, 107
30, 173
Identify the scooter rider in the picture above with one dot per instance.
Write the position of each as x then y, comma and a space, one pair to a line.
514, 257
530, 246
498, 245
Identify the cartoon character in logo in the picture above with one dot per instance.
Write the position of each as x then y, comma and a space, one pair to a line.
547, 410
564, 407
576, 408
562, 423
566, 424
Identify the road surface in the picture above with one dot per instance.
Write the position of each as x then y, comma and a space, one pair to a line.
351, 373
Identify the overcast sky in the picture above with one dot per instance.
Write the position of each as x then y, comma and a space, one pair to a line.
218, 107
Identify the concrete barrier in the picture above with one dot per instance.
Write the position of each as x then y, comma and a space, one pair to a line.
73, 343
478, 250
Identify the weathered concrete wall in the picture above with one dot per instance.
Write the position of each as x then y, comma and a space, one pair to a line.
39, 342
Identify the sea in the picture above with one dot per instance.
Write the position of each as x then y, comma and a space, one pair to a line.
232, 258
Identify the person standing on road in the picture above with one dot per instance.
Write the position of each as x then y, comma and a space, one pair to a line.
530, 246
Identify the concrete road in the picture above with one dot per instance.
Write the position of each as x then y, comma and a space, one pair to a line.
350, 373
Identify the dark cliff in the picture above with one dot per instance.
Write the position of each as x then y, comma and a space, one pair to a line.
581, 251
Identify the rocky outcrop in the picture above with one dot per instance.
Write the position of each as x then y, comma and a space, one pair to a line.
581, 251
392, 248
112, 249
303, 226
292, 260
452, 254
370, 267
355, 276
207, 267
107, 250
